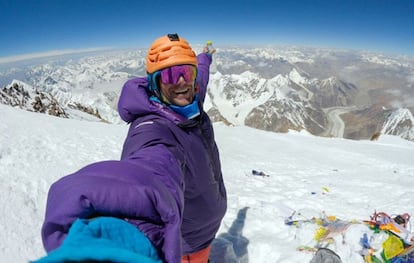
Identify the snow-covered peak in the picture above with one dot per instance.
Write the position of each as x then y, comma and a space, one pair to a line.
296, 77
280, 81
331, 81
292, 79
400, 122
246, 76
381, 59
24, 96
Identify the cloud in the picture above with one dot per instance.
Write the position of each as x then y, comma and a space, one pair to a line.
50, 53
411, 78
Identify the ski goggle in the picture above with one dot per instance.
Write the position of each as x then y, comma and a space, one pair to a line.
172, 74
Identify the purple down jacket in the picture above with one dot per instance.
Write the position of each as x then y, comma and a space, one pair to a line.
168, 182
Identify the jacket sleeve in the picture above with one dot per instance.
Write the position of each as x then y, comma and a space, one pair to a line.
145, 190
204, 62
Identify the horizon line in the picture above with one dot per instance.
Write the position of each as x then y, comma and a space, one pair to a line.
61, 52
50, 53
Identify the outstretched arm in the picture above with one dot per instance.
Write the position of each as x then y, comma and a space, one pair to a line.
204, 62
138, 190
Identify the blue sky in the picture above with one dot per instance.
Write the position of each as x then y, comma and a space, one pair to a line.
32, 26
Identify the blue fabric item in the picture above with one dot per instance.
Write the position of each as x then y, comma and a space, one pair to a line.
189, 111
104, 238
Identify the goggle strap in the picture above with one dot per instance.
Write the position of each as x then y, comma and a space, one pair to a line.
153, 84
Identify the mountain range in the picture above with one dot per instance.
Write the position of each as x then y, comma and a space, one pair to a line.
337, 93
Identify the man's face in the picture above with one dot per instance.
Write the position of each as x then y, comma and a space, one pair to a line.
180, 94
176, 84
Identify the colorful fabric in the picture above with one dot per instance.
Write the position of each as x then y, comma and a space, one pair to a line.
376, 243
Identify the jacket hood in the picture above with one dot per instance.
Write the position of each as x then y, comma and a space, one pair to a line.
135, 102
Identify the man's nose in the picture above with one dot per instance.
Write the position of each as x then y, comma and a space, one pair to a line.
181, 80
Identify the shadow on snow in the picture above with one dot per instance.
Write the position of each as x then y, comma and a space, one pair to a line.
231, 247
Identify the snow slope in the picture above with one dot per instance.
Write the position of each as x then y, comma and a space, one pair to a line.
309, 175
